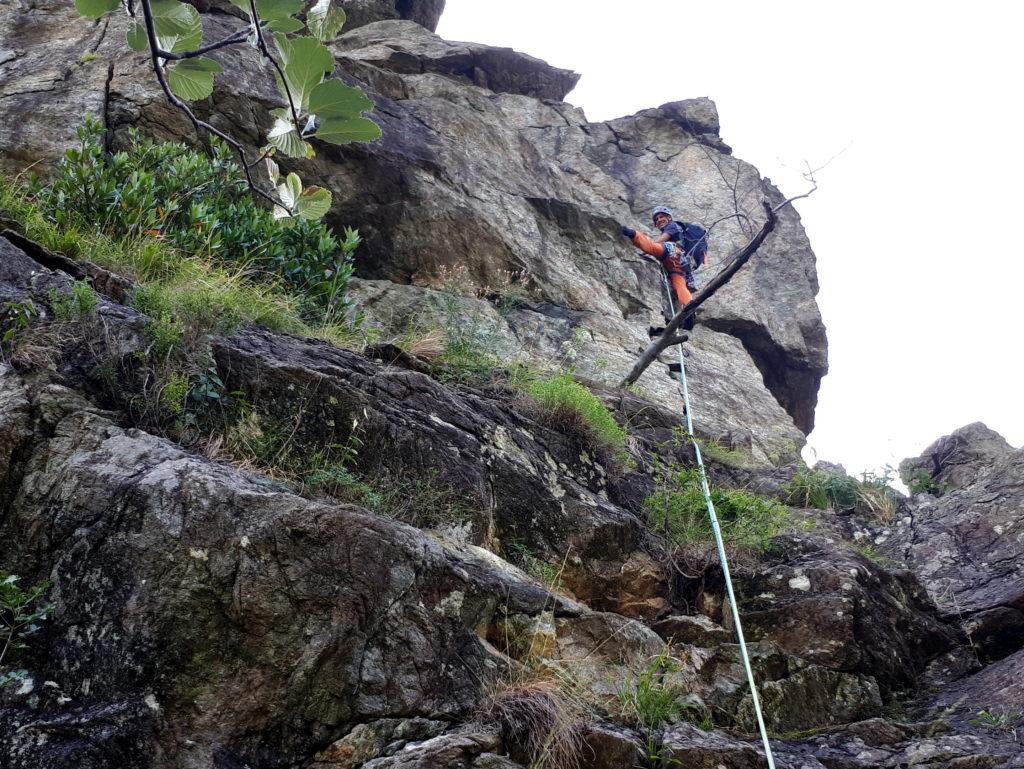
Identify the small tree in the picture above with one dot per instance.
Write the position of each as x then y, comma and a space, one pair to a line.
317, 107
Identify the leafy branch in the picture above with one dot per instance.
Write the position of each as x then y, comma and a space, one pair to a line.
21, 612
318, 107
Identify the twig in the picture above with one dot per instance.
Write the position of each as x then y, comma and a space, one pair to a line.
233, 39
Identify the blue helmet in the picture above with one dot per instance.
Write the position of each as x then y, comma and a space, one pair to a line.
662, 210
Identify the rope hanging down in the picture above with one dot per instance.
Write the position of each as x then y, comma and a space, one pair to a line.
684, 391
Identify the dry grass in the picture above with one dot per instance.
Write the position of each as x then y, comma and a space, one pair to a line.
41, 346
429, 345
880, 503
541, 726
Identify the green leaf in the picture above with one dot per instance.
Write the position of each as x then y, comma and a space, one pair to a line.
305, 62
285, 25
324, 21
278, 9
288, 192
313, 203
137, 39
347, 130
334, 99
178, 27
94, 9
286, 138
192, 79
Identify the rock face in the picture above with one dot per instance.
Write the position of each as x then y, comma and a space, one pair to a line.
967, 543
483, 174
362, 12
207, 616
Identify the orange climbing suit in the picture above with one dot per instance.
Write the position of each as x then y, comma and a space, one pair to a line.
670, 263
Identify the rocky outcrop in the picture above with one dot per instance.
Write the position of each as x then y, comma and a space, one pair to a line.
967, 543
209, 616
957, 460
483, 174
404, 48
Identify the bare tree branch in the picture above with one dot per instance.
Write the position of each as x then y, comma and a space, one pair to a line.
234, 39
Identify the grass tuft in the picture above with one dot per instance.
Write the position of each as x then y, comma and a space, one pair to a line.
678, 511
541, 725
572, 406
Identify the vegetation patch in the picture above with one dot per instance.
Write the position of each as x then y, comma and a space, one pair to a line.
542, 726
678, 511
270, 445
195, 205
821, 489
22, 612
570, 406
547, 573
922, 482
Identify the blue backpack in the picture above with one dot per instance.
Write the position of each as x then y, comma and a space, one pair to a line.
694, 240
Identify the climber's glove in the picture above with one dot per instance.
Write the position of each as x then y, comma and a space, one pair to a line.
629, 233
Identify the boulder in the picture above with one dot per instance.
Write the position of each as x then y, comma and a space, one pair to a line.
406, 48
967, 545
956, 460
830, 606
999, 688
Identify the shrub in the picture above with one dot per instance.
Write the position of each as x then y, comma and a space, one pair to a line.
198, 205
678, 511
568, 403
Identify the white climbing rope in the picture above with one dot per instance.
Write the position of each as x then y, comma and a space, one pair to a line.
684, 391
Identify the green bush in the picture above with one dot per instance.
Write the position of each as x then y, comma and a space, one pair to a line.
820, 489
566, 401
923, 482
198, 205
678, 511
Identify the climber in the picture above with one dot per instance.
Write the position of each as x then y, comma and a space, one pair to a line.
669, 249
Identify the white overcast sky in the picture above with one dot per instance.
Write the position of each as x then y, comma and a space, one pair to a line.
915, 224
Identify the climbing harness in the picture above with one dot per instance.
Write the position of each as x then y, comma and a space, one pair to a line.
718, 533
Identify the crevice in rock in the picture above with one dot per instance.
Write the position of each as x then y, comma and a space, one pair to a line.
107, 130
